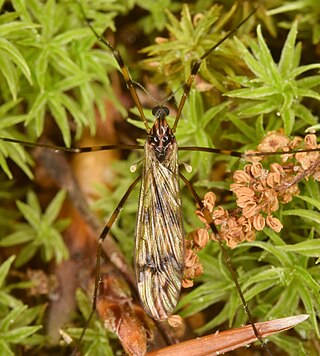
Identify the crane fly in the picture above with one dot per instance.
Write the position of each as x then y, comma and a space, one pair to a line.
159, 239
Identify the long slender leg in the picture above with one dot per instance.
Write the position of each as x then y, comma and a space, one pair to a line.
99, 250
126, 76
196, 66
226, 257
73, 149
138, 147
241, 154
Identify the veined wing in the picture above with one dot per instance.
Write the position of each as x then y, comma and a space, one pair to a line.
159, 252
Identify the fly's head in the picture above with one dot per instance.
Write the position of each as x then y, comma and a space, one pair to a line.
161, 136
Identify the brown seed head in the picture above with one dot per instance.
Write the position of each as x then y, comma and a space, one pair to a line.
274, 223
273, 141
201, 238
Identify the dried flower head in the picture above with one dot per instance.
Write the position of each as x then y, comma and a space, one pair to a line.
187, 283
201, 238
175, 321
209, 201
273, 141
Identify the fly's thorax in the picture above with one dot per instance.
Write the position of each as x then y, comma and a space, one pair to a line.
161, 137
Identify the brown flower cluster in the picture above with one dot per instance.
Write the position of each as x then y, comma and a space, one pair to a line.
233, 226
302, 156
259, 193
195, 241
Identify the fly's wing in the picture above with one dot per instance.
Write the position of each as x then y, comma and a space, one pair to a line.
159, 253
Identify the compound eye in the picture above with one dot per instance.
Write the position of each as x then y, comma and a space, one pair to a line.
155, 110
160, 111
166, 110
